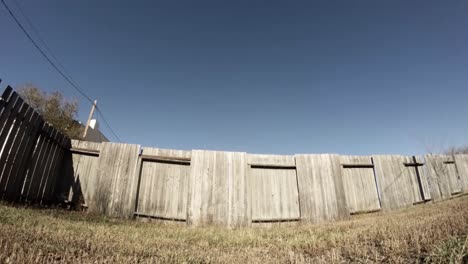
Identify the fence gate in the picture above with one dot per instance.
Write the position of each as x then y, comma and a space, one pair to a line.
164, 185
273, 188
359, 184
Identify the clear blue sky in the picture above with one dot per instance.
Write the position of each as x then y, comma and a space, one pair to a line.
350, 77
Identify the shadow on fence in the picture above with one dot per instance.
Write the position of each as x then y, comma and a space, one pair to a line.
31, 153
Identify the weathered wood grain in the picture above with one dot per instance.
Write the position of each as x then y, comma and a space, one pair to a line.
399, 184
424, 178
79, 181
116, 186
163, 188
10, 146
461, 160
360, 186
273, 188
24, 153
442, 176
271, 160
218, 189
321, 188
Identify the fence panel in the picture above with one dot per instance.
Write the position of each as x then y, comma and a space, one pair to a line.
273, 188
163, 188
360, 184
30, 151
321, 188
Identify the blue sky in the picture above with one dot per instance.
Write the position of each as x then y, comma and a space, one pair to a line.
350, 77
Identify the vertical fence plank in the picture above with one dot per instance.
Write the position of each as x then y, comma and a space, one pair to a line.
320, 188
46, 178
16, 151
116, 186
10, 136
17, 172
32, 179
30, 151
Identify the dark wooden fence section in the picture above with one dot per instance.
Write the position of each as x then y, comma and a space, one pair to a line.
31, 152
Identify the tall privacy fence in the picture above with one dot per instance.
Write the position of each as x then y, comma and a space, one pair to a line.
31, 152
199, 187
239, 189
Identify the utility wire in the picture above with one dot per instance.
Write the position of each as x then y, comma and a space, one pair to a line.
107, 124
30, 24
68, 79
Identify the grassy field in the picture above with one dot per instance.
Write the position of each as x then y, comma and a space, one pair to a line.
430, 233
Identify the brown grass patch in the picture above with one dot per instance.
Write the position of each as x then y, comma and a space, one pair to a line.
429, 233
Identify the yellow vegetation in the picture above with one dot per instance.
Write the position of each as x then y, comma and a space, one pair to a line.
430, 233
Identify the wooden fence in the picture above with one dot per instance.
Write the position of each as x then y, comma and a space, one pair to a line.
236, 189
31, 152
199, 187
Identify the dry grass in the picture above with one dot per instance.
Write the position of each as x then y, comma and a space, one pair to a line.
431, 233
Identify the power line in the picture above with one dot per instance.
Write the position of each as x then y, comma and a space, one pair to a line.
68, 79
107, 124
30, 24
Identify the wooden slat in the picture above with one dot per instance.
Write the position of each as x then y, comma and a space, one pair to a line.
33, 179
18, 173
50, 167
55, 174
443, 176
423, 178
3, 100
271, 160
398, 183
7, 119
360, 185
274, 194
116, 186
163, 186
80, 171
85, 151
272, 166
166, 158
8, 153
462, 166
16, 154
44, 164
26, 167
31, 150
218, 189
321, 189
357, 166
273, 187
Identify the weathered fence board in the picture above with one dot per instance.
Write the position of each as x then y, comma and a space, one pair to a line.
442, 175
24, 150
10, 147
271, 160
359, 184
461, 160
273, 188
321, 188
117, 179
218, 189
163, 188
399, 181
79, 173
28, 170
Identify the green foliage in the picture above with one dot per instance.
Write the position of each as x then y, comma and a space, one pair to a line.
55, 109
